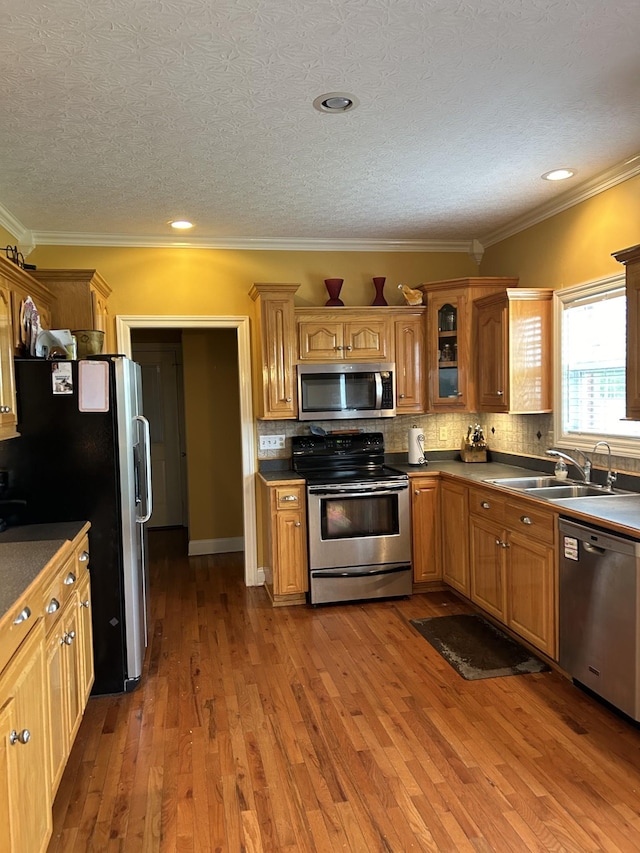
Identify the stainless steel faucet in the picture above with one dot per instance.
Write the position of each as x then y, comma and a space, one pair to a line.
612, 476
584, 469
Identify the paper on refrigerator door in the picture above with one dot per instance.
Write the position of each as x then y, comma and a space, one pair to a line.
93, 382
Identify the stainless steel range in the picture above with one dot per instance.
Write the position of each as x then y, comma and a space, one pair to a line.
358, 518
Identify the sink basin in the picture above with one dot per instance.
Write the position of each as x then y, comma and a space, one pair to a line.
573, 490
531, 482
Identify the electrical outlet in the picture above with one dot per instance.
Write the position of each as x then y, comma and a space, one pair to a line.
444, 434
271, 442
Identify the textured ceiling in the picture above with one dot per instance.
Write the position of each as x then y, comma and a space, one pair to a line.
119, 115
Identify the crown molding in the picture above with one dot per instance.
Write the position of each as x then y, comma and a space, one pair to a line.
605, 180
302, 244
22, 234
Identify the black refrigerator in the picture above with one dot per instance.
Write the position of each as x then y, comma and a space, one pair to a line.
83, 453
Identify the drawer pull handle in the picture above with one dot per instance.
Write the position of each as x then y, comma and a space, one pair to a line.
297, 524
83, 557
53, 605
5, 410
485, 505
289, 498
70, 579
86, 603
525, 519
19, 737
69, 637
22, 616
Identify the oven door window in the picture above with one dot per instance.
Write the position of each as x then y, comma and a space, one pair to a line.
344, 517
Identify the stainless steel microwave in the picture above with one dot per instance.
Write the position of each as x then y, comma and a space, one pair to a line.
335, 391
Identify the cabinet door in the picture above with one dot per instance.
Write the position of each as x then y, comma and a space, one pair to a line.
530, 599
58, 734
425, 524
633, 339
455, 536
487, 547
279, 398
24, 760
492, 369
320, 341
8, 417
85, 639
102, 319
448, 352
290, 569
366, 339
410, 364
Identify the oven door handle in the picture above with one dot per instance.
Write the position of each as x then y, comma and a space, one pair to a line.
358, 573
383, 490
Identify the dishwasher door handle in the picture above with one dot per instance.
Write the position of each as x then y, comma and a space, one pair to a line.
593, 549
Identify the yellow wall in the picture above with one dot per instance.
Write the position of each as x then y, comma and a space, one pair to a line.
211, 281
574, 246
212, 420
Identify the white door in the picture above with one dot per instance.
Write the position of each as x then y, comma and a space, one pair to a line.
162, 406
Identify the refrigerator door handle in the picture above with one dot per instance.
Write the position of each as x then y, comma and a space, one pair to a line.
146, 430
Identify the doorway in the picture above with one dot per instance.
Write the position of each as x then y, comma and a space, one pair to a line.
124, 325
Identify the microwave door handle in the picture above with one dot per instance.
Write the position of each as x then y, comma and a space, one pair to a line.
343, 392
378, 377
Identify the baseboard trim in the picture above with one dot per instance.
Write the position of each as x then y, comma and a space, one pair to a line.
198, 547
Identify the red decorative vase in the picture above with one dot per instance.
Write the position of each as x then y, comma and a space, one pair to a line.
334, 285
378, 283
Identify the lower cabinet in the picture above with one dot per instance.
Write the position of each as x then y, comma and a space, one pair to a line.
425, 529
25, 799
285, 525
512, 556
454, 498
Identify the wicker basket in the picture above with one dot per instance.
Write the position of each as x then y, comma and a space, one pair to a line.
90, 341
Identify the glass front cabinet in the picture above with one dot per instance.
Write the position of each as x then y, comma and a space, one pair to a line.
450, 341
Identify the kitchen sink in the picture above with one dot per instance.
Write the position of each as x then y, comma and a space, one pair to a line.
573, 490
530, 482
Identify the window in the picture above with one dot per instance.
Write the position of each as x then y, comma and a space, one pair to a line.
590, 383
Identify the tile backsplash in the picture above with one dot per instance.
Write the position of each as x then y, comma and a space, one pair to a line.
528, 435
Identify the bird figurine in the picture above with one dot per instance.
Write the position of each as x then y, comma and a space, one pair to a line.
411, 297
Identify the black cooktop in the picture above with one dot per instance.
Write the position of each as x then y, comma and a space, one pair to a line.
342, 458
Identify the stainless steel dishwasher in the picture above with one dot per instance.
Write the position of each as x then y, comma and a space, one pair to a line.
599, 613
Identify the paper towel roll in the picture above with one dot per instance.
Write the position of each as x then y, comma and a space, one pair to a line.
416, 446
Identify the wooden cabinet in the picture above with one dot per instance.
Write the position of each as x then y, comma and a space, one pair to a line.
285, 533
8, 413
343, 335
455, 535
45, 676
451, 350
81, 302
512, 553
514, 351
425, 529
276, 393
631, 259
25, 803
67, 607
409, 341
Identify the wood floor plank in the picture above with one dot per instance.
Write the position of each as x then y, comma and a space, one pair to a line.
339, 728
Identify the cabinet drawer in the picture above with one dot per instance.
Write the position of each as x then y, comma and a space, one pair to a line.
487, 504
536, 523
58, 591
288, 497
22, 617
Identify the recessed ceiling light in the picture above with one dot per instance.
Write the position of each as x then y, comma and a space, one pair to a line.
181, 224
335, 102
558, 175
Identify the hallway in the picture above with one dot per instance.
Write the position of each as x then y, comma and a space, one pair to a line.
338, 728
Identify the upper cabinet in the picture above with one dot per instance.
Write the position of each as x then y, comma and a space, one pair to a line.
451, 348
276, 396
411, 369
346, 334
81, 298
631, 259
513, 351
15, 286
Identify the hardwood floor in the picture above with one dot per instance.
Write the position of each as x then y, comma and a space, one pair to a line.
336, 728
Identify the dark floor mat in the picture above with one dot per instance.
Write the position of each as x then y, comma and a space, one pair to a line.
475, 648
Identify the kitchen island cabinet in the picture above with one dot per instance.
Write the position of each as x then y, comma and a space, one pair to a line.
44, 674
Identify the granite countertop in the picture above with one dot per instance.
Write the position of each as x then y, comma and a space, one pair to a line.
25, 551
